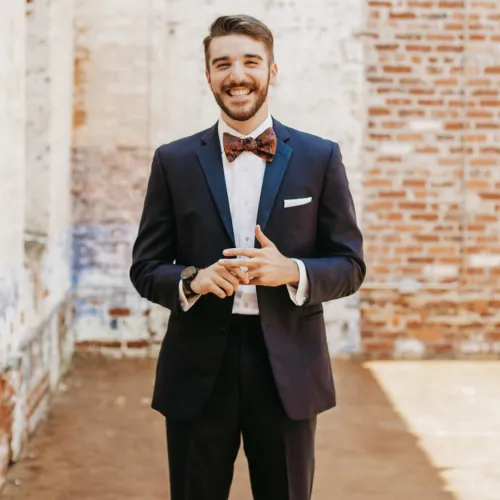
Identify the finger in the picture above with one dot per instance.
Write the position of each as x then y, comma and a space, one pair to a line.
213, 288
240, 274
262, 238
253, 275
236, 274
257, 282
224, 284
228, 276
245, 252
232, 264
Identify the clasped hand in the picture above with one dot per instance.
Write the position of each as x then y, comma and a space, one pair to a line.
264, 266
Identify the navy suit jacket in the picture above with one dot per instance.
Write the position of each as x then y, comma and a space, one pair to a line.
186, 220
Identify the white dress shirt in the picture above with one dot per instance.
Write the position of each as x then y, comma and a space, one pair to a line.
244, 178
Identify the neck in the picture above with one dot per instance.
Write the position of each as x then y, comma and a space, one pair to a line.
248, 126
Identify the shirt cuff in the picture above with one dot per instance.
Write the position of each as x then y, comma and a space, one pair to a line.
186, 303
299, 294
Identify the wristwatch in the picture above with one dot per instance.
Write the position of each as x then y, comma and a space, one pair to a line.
187, 276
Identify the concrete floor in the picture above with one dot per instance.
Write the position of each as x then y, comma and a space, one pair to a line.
402, 431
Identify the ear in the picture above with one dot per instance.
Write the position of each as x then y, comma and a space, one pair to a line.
273, 74
207, 74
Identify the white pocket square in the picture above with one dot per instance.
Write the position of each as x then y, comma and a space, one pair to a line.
297, 201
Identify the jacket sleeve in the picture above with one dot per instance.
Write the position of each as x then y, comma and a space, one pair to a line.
338, 269
153, 272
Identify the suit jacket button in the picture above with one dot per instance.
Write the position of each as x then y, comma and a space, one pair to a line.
222, 330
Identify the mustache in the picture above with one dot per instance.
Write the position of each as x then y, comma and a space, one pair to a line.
248, 85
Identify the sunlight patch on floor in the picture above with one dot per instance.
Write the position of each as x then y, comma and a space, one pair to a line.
453, 407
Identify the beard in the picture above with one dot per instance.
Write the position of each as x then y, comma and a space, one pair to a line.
240, 113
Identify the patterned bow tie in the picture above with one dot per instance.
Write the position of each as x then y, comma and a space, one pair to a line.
264, 146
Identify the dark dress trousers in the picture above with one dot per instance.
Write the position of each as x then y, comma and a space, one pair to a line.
186, 221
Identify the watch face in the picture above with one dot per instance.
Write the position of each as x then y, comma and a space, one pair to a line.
188, 272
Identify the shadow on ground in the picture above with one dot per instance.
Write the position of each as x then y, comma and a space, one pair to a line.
102, 441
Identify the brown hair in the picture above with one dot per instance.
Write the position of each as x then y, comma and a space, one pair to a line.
240, 25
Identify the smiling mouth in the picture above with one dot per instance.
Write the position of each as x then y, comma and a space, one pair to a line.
239, 92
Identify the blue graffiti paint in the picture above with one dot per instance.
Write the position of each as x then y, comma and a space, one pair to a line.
9, 294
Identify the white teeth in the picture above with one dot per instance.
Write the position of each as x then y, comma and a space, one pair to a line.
239, 92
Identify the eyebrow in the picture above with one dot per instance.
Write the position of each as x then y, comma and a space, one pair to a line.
227, 58
219, 59
253, 56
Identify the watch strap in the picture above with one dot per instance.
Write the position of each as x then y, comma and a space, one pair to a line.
187, 283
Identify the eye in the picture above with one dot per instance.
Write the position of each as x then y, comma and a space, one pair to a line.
224, 65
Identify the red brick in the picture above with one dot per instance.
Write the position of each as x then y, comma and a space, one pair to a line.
479, 114
412, 205
450, 4
426, 334
377, 182
449, 82
409, 137
450, 48
399, 102
402, 15
394, 216
392, 194
414, 182
378, 111
483, 162
453, 27
408, 113
377, 345
380, 137
454, 126
440, 37
426, 217
429, 150
423, 91
408, 36
486, 126
426, 237
137, 344
490, 196
431, 102
490, 103
378, 206
421, 4
386, 46
477, 184
119, 311
485, 92
393, 125
397, 69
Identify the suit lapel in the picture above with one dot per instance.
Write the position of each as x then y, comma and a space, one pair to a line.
211, 161
210, 156
274, 174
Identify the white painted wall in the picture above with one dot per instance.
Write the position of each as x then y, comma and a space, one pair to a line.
58, 262
142, 84
12, 146
319, 90
36, 82
12, 167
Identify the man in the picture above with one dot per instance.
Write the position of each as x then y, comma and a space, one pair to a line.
245, 353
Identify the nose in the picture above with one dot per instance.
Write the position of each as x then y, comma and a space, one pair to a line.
237, 72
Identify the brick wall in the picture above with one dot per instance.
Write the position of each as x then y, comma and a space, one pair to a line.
431, 201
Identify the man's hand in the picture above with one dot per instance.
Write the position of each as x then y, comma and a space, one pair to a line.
266, 266
218, 280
